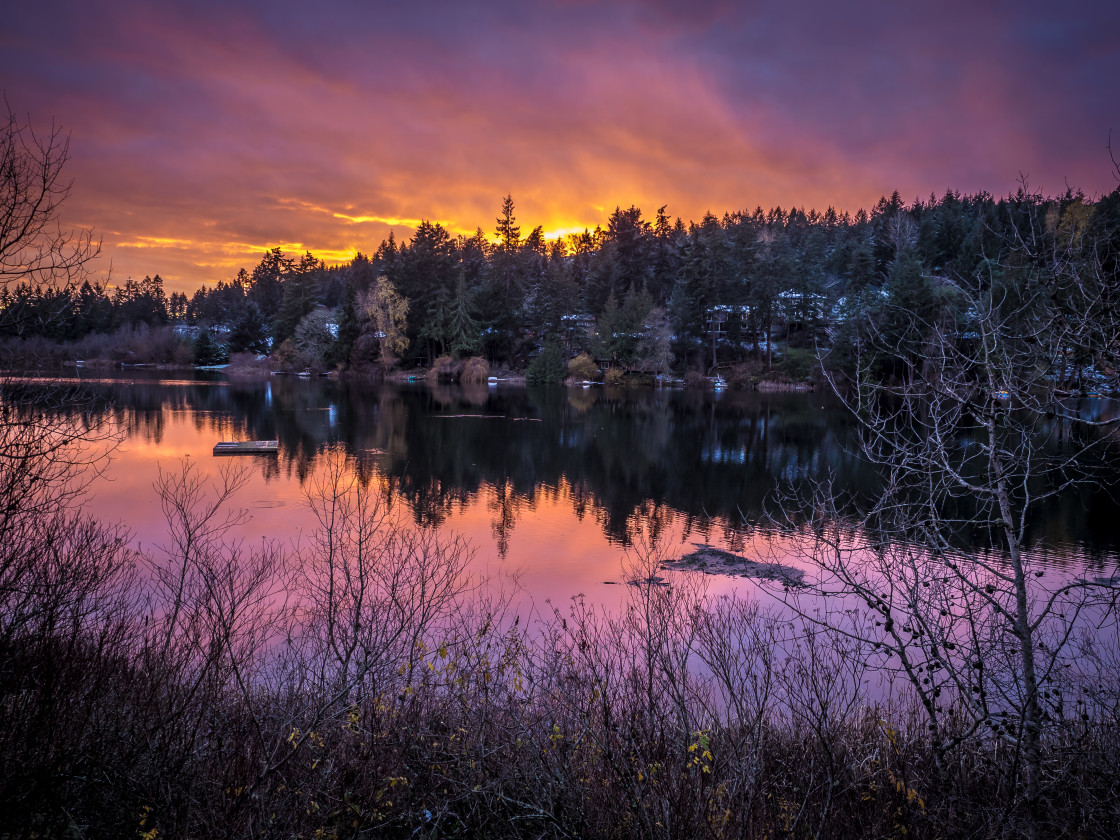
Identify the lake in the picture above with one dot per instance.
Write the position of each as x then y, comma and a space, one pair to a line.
548, 485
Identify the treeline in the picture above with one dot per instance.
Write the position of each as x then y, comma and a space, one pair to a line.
68, 314
646, 294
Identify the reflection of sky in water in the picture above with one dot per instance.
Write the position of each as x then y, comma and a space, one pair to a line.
551, 551
545, 505
548, 502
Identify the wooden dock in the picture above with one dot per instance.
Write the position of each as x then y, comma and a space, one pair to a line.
247, 447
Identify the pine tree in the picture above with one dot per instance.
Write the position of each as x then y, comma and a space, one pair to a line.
299, 297
349, 328
250, 333
207, 351
266, 282
508, 233
861, 269
462, 330
509, 240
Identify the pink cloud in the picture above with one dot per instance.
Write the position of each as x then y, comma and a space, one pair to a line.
201, 134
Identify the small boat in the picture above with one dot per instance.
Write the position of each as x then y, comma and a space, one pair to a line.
247, 447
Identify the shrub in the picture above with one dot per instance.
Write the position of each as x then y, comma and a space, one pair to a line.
475, 369
183, 354
613, 376
287, 356
155, 345
695, 379
744, 376
445, 369
797, 364
404, 709
547, 367
247, 363
583, 367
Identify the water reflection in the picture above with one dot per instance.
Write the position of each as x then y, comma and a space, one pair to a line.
683, 461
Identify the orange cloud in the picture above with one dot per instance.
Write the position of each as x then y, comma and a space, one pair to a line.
205, 134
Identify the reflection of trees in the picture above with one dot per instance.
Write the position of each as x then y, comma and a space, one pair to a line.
506, 504
626, 456
623, 457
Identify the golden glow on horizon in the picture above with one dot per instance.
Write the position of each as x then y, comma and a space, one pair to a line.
205, 260
386, 220
564, 231
160, 242
233, 254
364, 218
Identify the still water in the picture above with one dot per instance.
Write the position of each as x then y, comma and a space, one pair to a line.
550, 486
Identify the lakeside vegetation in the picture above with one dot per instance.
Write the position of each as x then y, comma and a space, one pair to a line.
365, 685
751, 296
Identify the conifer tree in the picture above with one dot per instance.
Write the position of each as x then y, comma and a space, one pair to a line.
509, 240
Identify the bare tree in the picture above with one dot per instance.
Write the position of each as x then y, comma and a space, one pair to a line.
34, 246
972, 434
378, 592
48, 457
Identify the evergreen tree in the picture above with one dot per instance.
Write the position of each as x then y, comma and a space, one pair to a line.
176, 306
604, 344
434, 326
300, 296
553, 295
93, 311
631, 243
509, 240
267, 282
140, 302
861, 269
207, 351
250, 333
547, 367
463, 337
774, 266
349, 328
424, 272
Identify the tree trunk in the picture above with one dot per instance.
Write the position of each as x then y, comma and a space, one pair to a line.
1030, 739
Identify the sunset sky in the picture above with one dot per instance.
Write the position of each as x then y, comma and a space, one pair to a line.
203, 132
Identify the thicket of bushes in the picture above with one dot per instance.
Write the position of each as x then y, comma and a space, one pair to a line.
139, 344
366, 686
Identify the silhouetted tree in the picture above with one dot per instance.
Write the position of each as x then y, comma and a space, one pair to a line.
33, 246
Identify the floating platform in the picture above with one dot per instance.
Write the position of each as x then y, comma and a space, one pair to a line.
247, 447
